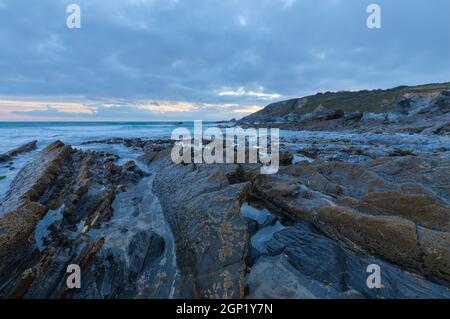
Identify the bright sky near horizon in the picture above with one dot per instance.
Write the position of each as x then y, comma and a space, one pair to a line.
154, 60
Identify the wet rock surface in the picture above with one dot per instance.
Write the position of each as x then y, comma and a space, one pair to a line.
17, 151
202, 207
82, 187
140, 226
353, 147
390, 207
294, 267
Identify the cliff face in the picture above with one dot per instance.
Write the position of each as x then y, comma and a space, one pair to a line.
405, 108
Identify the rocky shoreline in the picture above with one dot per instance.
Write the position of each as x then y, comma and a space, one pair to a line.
354, 189
426, 112
149, 228
17, 151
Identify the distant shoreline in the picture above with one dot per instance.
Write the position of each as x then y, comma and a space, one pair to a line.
115, 122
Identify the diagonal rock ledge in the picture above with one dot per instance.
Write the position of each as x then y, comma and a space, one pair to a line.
203, 210
396, 209
81, 187
28, 147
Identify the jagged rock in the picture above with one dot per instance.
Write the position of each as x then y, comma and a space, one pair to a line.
419, 208
119, 269
20, 150
392, 211
20, 212
401, 152
302, 263
353, 116
203, 210
440, 129
275, 278
253, 226
407, 109
16, 234
378, 206
322, 114
82, 187
286, 158
152, 148
436, 103
34, 179
131, 172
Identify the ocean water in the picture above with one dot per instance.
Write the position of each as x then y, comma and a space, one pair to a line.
15, 134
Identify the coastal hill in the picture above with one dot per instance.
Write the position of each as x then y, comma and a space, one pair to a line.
408, 109
373, 101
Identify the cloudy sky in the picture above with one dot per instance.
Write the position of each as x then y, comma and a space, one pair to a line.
208, 59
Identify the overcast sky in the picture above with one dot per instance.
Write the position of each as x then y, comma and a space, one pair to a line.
208, 59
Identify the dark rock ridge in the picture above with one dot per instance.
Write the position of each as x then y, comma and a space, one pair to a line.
162, 230
393, 212
76, 190
202, 205
28, 147
132, 142
396, 209
300, 262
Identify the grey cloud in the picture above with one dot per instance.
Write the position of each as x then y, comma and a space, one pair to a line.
168, 50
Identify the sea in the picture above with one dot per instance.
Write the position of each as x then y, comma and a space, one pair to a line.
15, 134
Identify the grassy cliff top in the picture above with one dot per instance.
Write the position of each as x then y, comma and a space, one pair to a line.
377, 101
